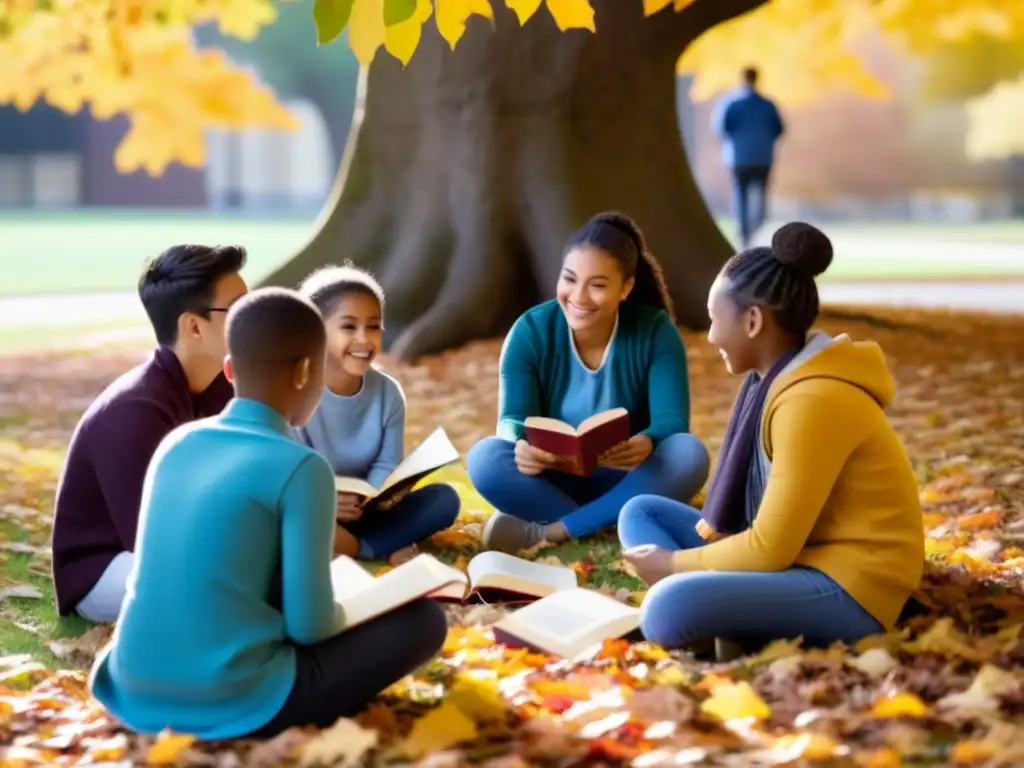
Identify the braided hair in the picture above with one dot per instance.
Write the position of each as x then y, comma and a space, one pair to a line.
618, 235
781, 278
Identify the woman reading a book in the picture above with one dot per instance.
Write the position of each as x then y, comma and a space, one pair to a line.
360, 424
812, 525
608, 341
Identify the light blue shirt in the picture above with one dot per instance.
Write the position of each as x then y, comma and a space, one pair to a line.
749, 125
362, 435
198, 648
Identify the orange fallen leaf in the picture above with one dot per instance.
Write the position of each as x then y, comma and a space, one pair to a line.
167, 748
900, 704
584, 569
454, 538
886, 757
971, 753
987, 518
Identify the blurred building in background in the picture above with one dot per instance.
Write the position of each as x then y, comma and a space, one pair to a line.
844, 157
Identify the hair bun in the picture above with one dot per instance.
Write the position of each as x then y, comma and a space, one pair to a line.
803, 247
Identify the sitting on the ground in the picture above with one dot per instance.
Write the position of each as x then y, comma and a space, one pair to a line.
607, 341
360, 423
812, 526
186, 292
230, 627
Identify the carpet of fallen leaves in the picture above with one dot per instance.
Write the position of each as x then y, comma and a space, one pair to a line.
947, 688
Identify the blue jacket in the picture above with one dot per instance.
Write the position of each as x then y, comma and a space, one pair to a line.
749, 125
198, 647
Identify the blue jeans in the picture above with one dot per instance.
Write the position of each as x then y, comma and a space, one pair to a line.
748, 607
677, 468
750, 198
420, 514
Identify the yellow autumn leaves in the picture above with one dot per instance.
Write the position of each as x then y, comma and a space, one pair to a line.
138, 58
375, 23
808, 47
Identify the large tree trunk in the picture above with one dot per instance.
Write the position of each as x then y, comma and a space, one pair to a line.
466, 172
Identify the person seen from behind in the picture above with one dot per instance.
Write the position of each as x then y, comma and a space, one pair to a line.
230, 628
749, 126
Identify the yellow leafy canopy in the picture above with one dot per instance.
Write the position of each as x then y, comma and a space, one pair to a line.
138, 58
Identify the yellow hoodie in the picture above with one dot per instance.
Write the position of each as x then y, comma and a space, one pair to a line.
841, 495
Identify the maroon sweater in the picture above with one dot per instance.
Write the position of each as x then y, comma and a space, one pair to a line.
100, 488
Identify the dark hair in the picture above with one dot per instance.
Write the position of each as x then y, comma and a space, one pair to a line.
183, 279
781, 278
328, 285
618, 235
270, 330
750, 75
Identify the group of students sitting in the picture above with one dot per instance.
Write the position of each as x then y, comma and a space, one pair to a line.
198, 505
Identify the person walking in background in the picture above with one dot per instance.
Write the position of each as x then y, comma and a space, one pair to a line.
749, 125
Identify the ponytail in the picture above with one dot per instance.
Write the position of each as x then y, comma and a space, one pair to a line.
618, 235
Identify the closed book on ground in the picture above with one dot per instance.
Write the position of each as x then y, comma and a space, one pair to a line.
579, 447
567, 623
498, 577
429, 456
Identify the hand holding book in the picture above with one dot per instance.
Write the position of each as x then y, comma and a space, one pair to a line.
532, 460
349, 509
628, 455
577, 448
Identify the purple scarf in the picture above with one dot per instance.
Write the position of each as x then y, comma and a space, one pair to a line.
725, 507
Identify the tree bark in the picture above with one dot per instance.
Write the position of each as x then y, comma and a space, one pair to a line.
466, 172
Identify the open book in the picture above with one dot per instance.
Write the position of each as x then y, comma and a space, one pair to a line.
363, 596
580, 446
567, 623
495, 576
429, 456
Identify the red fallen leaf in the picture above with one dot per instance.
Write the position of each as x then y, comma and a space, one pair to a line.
609, 748
584, 569
556, 703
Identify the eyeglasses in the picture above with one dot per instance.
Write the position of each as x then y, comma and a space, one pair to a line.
218, 309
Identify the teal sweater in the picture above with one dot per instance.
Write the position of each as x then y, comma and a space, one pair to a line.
198, 648
644, 372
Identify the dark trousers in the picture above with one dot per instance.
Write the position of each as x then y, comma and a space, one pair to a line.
750, 198
338, 676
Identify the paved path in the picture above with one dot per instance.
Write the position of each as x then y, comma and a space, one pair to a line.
123, 307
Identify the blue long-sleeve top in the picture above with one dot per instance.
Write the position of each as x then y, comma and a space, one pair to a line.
361, 435
198, 647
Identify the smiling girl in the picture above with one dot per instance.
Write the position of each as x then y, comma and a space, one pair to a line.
607, 340
360, 424
812, 526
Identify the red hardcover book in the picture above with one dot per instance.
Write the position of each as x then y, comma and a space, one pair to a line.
579, 447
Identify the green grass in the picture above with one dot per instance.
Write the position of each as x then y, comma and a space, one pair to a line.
28, 624
44, 253
36, 338
103, 250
